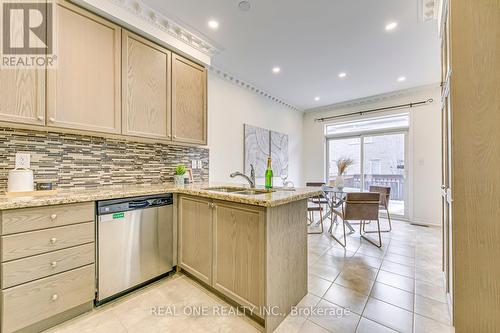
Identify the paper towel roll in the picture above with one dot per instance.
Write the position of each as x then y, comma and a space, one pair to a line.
20, 180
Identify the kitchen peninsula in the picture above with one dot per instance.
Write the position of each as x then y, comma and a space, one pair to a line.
248, 245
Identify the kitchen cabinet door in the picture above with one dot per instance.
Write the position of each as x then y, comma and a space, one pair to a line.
195, 237
83, 92
145, 88
23, 96
239, 241
189, 101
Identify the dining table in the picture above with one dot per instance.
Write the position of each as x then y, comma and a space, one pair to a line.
335, 197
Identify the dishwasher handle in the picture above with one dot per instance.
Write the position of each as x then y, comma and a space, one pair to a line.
128, 204
138, 204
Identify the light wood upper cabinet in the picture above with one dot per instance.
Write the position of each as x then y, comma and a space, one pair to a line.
110, 81
195, 237
23, 96
189, 101
146, 88
239, 244
83, 92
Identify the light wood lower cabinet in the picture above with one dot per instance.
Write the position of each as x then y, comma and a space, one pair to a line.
195, 237
28, 269
239, 243
38, 300
83, 92
23, 96
47, 265
146, 88
223, 244
189, 101
255, 256
30, 219
22, 245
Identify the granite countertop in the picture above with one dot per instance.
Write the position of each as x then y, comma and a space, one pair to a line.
272, 199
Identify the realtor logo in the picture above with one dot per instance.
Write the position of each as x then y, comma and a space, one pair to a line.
27, 34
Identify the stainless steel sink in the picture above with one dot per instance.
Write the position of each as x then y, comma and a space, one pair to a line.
239, 190
253, 192
226, 189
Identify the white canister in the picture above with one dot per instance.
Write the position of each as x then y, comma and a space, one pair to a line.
20, 180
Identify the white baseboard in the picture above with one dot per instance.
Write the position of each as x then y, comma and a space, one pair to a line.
425, 222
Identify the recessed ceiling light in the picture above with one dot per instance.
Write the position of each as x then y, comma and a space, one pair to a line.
316, 98
391, 26
342, 75
276, 70
213, 24
401, 78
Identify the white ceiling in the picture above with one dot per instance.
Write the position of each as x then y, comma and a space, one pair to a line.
312, 41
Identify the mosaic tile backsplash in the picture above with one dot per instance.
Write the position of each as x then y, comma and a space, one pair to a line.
70, 160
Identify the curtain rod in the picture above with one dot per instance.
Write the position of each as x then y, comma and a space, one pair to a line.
394, 107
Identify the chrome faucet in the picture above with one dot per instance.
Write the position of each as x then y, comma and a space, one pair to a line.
250, 180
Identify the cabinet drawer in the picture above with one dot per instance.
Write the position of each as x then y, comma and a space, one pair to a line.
36, 242
32, 302
29, 219
28, 269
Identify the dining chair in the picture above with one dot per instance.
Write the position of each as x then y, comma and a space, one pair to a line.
385, 194
315, 204
320, 199
312, 207
362, 206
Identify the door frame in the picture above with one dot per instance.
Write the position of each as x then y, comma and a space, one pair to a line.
362, 135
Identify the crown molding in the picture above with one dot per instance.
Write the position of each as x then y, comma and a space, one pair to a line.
250, 87
146, 20
410, 92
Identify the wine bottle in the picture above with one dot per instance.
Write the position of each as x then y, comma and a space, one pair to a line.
269, 175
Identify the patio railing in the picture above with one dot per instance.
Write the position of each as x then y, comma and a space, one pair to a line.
395, 182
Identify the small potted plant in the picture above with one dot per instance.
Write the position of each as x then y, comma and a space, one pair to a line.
179, 172
342, 165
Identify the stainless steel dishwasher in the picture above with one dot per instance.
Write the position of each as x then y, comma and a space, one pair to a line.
135, 243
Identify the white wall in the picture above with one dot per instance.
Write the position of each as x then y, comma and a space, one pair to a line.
229, 107
424, 150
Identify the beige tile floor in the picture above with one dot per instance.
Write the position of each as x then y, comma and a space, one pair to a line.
396, 288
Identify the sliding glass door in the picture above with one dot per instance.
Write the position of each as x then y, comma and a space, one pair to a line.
379, 160
384, 165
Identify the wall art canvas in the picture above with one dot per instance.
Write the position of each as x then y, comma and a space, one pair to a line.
256, 149
259, 144
279, 153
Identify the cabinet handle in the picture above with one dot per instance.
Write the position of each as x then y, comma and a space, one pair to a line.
53, 240
40, 118
53, 217
175, 136
54, 297
53, 264
51, 119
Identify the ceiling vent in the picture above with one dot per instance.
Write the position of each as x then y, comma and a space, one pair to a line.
429, 10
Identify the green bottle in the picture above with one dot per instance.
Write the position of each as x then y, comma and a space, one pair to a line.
269, 175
